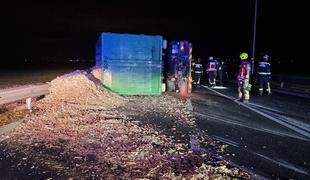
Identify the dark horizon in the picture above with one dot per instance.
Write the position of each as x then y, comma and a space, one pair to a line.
60, 31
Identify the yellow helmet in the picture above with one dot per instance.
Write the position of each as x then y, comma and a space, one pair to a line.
244, 56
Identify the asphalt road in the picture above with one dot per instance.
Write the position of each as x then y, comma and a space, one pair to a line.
270, 136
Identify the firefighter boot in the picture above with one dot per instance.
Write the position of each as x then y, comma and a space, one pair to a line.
268, 89
246, 92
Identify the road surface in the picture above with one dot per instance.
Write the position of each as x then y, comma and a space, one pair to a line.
269, 136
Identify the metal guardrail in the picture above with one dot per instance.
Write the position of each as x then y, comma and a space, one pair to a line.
23, 93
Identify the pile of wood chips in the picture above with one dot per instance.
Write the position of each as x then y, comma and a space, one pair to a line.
78, 132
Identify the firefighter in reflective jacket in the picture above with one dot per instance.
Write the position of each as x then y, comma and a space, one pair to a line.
264, 75
243, 78
198, 70
211, 70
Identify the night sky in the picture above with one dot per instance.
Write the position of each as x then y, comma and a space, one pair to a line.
59, 31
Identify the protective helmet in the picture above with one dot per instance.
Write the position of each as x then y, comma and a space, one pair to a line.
266, 56
244, 56
210, 58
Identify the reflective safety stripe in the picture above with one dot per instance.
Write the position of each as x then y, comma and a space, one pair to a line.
263, 73
263, 63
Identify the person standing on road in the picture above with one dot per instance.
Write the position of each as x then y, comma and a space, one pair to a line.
243, 78
264, 75
222, 71
211, 70
198, 70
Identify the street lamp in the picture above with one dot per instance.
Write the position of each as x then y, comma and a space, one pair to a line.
254, 36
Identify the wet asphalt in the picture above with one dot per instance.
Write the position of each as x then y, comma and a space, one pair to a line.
262, 145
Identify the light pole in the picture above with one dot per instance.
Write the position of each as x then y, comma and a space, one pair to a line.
254, 37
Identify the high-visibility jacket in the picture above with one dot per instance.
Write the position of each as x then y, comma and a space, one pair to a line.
263, 68
212, 66
198, 68
244, 70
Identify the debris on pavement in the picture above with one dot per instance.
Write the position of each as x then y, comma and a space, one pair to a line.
81, 130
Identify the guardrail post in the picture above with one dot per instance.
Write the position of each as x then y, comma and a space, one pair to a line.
28, 103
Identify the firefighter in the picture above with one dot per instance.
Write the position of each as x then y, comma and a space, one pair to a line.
211, 70
198, 70
222, 71
264, 75
243, 78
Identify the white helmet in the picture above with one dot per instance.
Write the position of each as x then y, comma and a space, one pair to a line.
210, 58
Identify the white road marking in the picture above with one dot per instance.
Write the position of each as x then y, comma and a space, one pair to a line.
295, 128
